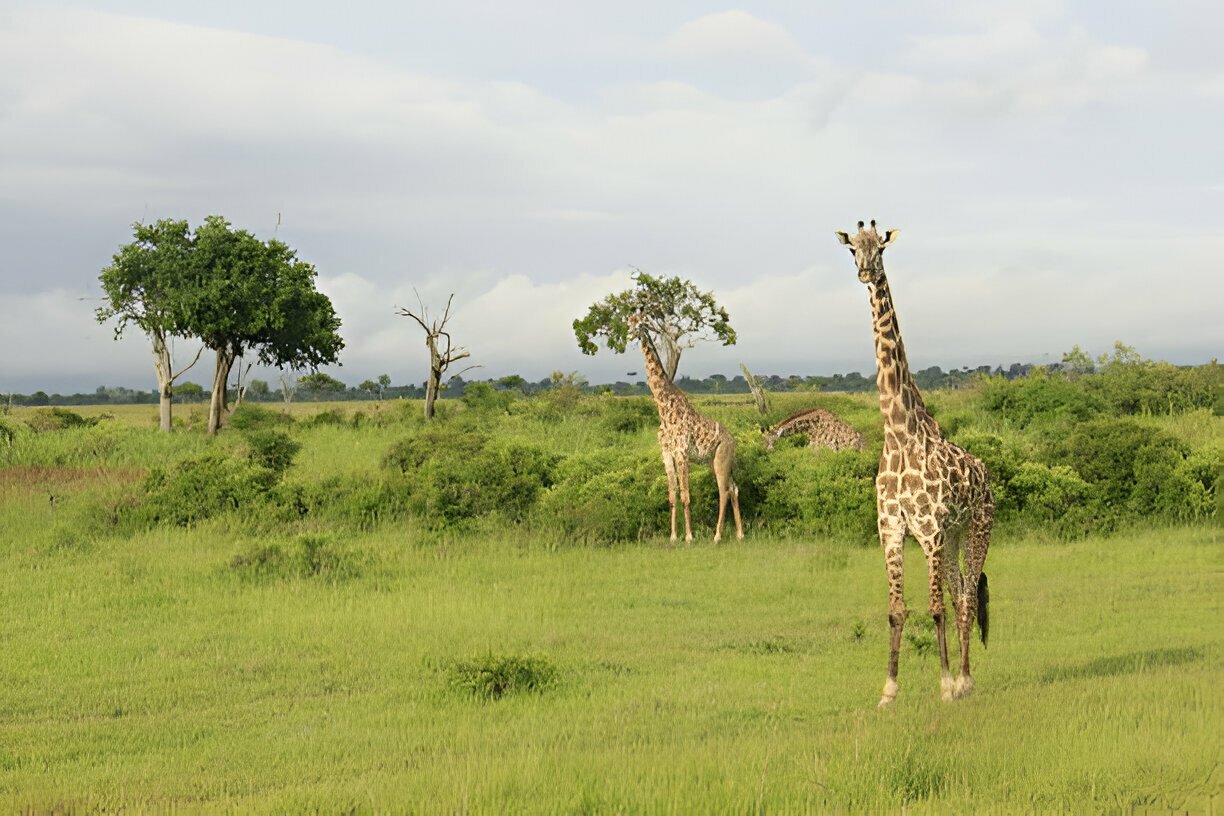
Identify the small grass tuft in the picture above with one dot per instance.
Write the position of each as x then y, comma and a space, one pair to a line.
493, 677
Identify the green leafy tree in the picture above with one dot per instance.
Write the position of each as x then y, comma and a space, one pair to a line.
320, 383
384, 382
256, 297
674, 313
148, 284
369, 386
191, 392
258, 389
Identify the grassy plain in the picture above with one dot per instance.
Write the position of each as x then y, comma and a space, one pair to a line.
148, 673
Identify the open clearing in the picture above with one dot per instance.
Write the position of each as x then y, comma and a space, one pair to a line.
155, 672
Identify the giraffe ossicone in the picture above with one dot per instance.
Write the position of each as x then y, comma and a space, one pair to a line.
935, 491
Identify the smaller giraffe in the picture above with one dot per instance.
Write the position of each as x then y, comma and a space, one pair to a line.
823, 429
684, 436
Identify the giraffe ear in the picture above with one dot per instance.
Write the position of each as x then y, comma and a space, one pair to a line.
843, 237
889, 236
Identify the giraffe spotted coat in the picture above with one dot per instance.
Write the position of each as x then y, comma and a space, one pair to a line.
823, 429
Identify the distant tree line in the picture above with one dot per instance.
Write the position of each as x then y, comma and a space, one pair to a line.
1111, 373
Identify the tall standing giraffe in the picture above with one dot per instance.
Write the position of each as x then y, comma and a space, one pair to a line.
686, 435
938, 492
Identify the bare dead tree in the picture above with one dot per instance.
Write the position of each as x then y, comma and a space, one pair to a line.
288, 382
758, 392
442, 354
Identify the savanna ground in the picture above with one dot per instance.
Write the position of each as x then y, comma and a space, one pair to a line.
342, 659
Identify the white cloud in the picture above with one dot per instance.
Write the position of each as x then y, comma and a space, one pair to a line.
733, 33
524, 203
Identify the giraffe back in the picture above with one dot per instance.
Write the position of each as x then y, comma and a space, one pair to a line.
823, 428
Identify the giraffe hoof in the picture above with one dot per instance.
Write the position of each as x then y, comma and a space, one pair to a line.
890, 693
964, 687
947, 689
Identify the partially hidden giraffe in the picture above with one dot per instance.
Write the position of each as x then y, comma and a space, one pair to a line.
936, 491
684, 436
823, 429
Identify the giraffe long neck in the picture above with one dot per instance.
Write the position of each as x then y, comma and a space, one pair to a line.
662, 387
893, 378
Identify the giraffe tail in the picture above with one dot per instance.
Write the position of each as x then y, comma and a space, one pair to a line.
983, 608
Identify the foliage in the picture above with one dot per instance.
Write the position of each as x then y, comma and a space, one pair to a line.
493, 677
58, 419
197, 489
251, 417
628, 414
273, 450
674, 313
484, 398
607, 497
1038, 397
309, 557
457, 474
321, 383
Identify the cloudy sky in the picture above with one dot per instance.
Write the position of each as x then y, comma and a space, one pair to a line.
1055, 168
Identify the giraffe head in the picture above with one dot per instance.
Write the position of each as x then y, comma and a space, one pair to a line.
868, 249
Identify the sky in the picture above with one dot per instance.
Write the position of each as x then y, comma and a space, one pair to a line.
1055, 169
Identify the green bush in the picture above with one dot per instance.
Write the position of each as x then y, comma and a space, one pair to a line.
273, 450
628, 415
331, 418
822, 493
250, 416
454, 473
200, 488
483, 398
1045, 493
608, 497
1038, 397
45, 420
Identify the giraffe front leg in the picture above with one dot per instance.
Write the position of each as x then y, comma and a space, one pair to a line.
892, 539
721, 466
670, 466
682, 476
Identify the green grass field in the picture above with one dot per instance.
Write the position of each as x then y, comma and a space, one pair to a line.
168, 670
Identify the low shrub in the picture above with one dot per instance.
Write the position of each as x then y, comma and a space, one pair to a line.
454, 473
46, 420
309, 557
628, 415
483, 398
493, 677
1038, 397
273, 450
197, 489
819, 493
250, 416
607, 497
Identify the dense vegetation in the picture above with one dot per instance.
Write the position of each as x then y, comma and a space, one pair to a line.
1068, 455
356, 610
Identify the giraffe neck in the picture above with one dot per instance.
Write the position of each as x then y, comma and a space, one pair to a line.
893, 378
663, 389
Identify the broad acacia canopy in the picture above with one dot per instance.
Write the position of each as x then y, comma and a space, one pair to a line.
673, 312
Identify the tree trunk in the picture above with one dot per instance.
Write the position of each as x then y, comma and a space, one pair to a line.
218, 403
671, 356
165, 382
435, 379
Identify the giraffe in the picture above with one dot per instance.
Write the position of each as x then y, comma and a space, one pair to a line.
927, 486
823, 429
684, 436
